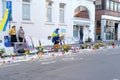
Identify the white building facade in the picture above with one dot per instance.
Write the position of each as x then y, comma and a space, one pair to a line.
40, 18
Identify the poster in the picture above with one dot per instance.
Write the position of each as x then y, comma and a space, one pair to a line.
29, 42
63, 32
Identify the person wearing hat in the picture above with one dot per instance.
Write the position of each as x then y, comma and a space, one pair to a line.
21, 34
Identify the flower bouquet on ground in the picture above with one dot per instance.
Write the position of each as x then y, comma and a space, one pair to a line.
66, 47
27, 51
40, 50
101, 44
84, 46
2, 50
96, 46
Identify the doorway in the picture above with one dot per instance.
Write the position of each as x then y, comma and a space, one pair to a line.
76, 33
116, 31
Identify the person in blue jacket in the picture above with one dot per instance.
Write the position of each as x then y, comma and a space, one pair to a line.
55, 36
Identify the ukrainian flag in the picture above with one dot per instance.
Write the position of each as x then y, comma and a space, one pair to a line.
4, 22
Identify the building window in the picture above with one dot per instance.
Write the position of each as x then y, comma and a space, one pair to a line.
98, 4
109, 30
107, 4
111, 5
115, 6
49, 11
26, 0
118, 7
26, 10
62, 13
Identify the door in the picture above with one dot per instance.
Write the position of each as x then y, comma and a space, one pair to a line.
77, 34
110, 32
116, 31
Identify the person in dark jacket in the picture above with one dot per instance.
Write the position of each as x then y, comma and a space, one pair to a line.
81, 35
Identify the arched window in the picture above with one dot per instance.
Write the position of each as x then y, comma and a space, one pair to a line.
81, 12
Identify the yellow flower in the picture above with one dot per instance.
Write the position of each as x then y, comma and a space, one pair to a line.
40, 47
66, 47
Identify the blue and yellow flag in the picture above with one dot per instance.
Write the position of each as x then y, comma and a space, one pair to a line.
7, 15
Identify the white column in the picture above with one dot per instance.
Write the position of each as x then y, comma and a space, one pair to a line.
103, 26
92, 32
119, 31
84, 34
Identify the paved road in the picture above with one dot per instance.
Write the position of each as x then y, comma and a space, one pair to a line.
96, 65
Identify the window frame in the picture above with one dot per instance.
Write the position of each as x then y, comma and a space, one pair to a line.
62, 13
107, 5
49, 13
115, 6
28, 4
111, 5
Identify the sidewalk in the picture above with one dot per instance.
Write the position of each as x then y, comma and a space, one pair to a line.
75, 48
35, 57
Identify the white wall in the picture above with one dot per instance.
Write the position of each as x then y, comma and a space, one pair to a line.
119, 31
38, 27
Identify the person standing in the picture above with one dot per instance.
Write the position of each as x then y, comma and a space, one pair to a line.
12, 33
81, 35
21, 34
